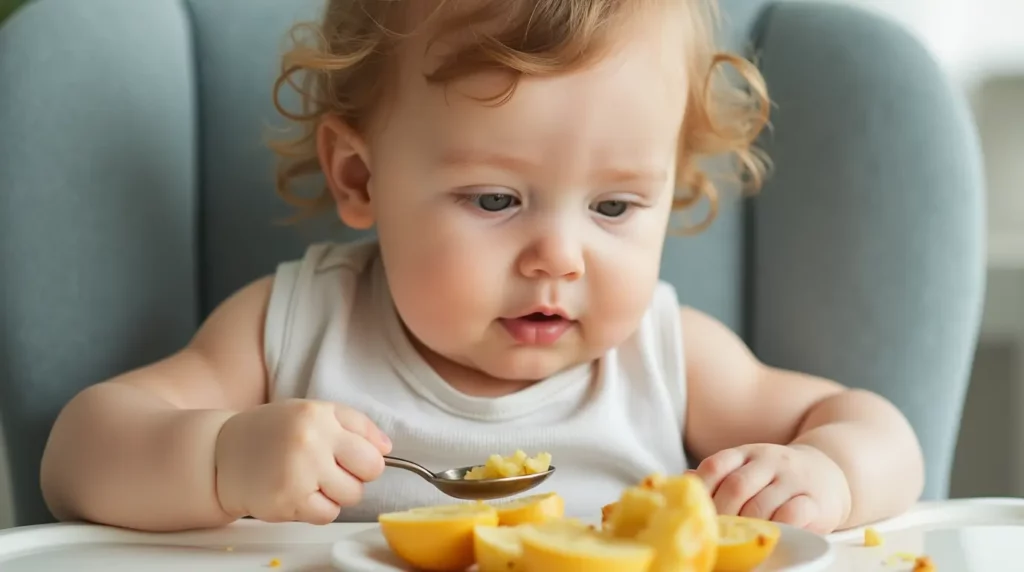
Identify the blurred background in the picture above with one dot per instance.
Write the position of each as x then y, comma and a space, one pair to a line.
979, 44
8, 6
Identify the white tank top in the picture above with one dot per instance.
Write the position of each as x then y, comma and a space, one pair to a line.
333, 334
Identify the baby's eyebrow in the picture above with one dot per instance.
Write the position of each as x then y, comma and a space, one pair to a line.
614, 175
604, 174
468, 157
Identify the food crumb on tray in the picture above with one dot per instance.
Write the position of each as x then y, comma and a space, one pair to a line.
923, 564
872, 538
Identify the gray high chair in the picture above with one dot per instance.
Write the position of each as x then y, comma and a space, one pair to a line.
136, 193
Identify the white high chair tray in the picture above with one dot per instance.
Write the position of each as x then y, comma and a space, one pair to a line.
964, 535
247, 545
972, 535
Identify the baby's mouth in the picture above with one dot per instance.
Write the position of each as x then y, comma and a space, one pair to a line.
537, 328
541, 317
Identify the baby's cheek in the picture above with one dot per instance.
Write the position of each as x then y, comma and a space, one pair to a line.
445, 295
619, 299
612, 324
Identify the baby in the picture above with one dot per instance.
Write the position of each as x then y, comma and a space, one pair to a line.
519, 161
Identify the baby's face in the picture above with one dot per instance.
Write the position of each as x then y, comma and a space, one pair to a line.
525, 238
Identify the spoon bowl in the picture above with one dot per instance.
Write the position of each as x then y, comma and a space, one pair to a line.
453, 483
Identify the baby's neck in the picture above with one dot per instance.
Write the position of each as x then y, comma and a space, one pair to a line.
467, 380
476, 383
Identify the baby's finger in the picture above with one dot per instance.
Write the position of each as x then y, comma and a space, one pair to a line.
765, 503
358, 456
718, 466
358, 423
340, 487
741, 485
799, 511
317, 509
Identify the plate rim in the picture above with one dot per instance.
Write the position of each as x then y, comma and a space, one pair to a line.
373, 534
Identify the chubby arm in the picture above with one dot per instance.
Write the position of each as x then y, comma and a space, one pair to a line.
137, 451
734, 400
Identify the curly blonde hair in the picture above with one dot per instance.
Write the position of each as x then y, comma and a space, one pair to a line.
342, 66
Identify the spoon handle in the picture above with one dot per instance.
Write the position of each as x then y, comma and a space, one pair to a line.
408, 466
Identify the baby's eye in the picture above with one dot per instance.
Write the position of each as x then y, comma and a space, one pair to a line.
611, 209
495, 202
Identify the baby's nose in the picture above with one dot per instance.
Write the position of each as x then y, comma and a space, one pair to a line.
553, 255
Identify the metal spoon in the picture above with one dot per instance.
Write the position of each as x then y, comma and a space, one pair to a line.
453, 483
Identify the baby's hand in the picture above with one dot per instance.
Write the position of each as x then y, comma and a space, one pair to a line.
797, 485
297, 460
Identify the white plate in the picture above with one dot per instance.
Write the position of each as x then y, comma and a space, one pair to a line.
797, 551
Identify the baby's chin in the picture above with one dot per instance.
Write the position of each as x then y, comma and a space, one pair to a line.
530, 365
516, 366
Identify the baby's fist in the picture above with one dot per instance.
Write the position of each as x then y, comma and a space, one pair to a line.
297, 460
797, 485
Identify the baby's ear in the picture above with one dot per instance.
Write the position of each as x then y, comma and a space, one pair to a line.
345, 162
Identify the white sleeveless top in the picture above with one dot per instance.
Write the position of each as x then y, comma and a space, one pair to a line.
332, 334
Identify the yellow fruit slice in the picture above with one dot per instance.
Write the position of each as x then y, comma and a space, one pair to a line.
653, 481
683, 532
530, 509
498, 549
627, 517
565, 545
519, 463
437, 538
606, 514
744, 543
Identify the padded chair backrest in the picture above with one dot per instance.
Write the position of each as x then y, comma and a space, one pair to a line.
136, 193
